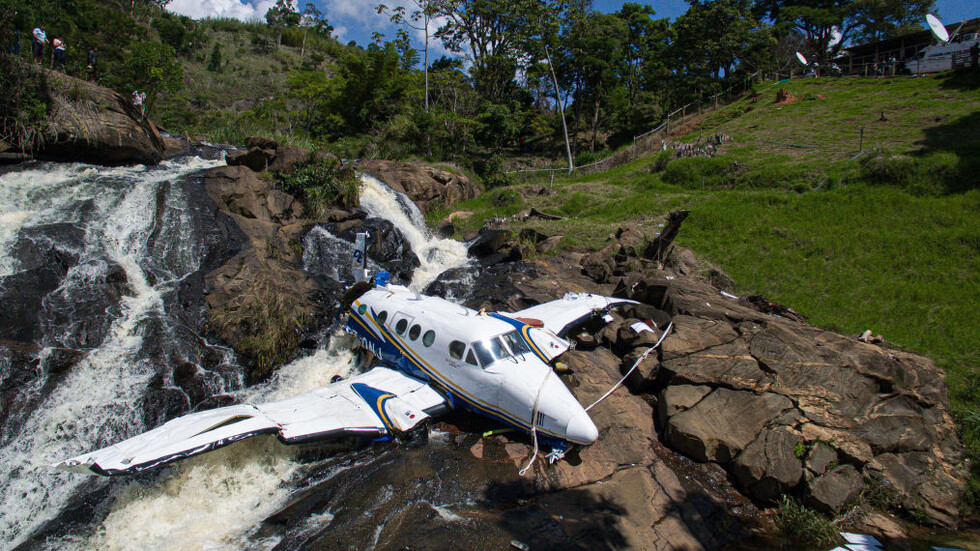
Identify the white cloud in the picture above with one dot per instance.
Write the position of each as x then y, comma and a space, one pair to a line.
236, 9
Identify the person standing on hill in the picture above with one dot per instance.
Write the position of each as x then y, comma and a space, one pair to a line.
93, 68
58, 61
38, 39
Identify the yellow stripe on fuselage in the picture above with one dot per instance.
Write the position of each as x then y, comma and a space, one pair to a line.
491, 410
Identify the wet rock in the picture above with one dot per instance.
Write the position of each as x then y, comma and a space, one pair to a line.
723, 423
44, 255
768, 467
427, 185
386, 246
829, 492
488, 242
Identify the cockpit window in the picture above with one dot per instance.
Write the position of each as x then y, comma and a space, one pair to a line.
470, 358
500, 347
516, 344
456, 349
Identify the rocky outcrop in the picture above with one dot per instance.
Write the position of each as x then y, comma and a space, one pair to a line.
260, 301
427, 185
746, 384
265, 154
786, 407
92, 124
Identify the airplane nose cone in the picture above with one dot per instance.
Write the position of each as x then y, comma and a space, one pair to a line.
581, 429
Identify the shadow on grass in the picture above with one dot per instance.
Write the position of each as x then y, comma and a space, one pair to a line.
963, 80
961, 137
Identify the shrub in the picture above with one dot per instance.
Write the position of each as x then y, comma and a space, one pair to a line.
491, 170
321, 183
693, 172
800, 524
932, 174
661, 160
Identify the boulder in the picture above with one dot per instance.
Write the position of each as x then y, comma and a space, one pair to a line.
691, 335
729, 365
829, 492
254, 158
821, 457
677, 398
768, 467
92, 124
426, 184
488, 242
723, 423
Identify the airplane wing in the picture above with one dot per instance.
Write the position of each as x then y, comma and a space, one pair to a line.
372, 404
560, 315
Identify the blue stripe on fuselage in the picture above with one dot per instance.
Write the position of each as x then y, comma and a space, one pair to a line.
399, 355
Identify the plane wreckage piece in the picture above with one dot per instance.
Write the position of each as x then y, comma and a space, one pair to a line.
446, 355
375, 404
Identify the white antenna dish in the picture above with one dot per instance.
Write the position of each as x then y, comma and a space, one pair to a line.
801, 58
938, 30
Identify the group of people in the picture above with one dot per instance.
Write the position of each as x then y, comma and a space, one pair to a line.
39, 38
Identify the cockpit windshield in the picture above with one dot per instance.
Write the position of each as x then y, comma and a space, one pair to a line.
500, 347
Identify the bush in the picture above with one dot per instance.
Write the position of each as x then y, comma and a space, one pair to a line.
24, 114
661, 160
583, 158
321, 183
800, 524
932, 174
693, 172
491, 171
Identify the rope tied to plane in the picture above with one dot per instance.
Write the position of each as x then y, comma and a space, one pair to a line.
638, 360
534, 426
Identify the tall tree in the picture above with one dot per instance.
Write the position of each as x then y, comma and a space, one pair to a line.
313, 20
282, 16
495, 33
419, 19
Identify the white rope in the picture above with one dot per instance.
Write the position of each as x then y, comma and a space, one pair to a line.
640, 359
534, 425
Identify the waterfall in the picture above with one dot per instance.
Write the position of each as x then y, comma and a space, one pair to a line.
436, 255
133, 222
100, 400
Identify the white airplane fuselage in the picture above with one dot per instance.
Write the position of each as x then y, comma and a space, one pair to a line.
493, 364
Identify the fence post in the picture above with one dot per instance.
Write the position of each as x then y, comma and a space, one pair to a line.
861, 141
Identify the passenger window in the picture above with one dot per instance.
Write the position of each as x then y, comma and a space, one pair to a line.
382, 317
361, 309
401, 326
429, 337
456, 349
471, 358
413, 333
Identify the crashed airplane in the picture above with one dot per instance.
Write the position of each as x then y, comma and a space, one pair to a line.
434, 355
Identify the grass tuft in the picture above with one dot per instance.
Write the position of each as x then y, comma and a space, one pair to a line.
803, 527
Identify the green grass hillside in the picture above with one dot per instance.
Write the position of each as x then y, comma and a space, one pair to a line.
889, 241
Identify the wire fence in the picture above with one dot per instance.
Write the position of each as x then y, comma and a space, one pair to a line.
651, 141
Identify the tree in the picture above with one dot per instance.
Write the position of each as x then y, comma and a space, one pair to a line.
314, 91
496, 33
152, 68
315, 20
282, 16
419, 20
214, 63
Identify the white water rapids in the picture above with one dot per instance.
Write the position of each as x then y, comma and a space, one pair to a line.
214, 501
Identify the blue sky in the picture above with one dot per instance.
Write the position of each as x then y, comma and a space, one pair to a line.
358, 19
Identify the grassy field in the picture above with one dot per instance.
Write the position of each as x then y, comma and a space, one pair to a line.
889, 241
